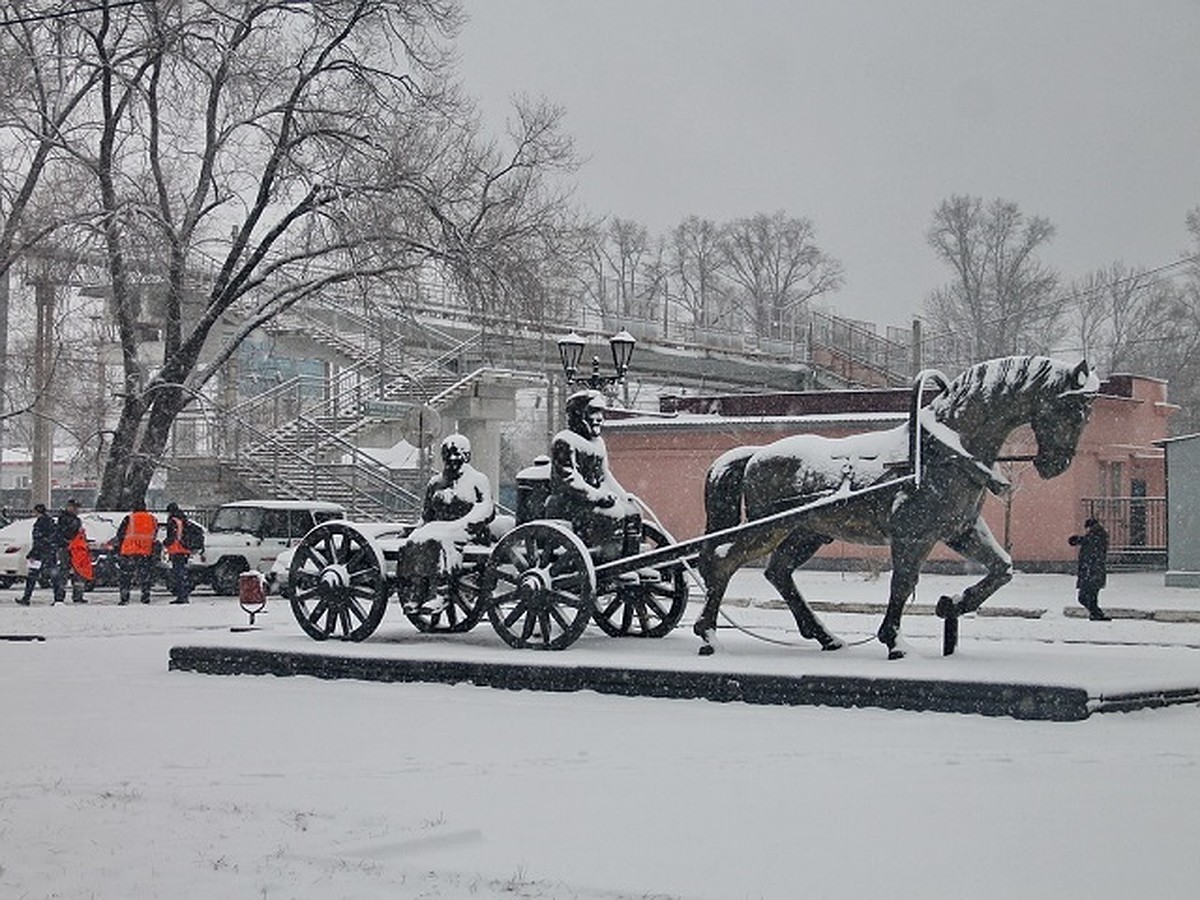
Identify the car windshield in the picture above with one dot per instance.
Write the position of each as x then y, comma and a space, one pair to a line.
237, 518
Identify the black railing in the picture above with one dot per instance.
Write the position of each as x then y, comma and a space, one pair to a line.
1137, 527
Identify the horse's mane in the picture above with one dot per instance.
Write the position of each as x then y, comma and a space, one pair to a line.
1006, 376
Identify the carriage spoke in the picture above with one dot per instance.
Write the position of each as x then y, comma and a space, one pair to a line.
544, 621
612, 607
353, 606
528, 624
555, 613
642, 610
519, 610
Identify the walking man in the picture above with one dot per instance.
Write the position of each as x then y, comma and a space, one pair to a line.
42, 557
135, 546
1092, 571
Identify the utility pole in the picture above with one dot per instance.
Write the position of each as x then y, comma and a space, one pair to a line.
42, 451
3, 355
917, 354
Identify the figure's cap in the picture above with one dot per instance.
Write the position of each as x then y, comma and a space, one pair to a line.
39, 507
581, 402
73, 502
173, 508
1090, 523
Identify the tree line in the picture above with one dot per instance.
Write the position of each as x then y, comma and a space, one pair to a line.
1003, 297
755, 273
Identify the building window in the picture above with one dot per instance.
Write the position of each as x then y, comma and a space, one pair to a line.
1111, 474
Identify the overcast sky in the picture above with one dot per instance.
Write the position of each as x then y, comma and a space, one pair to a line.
864, 116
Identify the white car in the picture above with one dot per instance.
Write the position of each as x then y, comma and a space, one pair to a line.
249, 535
387, 535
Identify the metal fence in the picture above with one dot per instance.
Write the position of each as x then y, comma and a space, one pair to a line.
1137, 527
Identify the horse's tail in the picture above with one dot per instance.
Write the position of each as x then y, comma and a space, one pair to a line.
723, 489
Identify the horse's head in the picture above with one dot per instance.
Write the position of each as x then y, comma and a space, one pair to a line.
1058, 418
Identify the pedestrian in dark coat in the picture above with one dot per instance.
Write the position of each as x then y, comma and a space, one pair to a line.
178, 553
1092, 571
69, 526
42, 558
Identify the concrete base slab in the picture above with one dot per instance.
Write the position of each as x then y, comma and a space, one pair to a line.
721, 678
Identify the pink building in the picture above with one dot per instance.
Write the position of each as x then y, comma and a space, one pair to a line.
1117, 475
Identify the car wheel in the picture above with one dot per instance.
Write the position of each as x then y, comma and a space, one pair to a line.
225, 575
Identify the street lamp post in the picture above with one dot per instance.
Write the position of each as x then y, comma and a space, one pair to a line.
570, 351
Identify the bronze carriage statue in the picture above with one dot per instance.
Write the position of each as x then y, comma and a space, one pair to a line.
564, 561
540, 583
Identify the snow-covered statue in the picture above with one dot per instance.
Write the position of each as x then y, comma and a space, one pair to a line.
458, 510
583, 489
909, 488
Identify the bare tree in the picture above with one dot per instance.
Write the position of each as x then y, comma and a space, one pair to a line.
506, 223
697, 265
628, 243
776, 262
1001, 296
248, 154
1119, 313
1177, 356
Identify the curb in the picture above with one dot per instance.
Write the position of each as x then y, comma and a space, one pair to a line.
1056, 703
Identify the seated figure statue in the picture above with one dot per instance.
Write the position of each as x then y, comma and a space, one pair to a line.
583, 489
458, 510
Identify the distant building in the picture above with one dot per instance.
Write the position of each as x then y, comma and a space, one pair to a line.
1118, 473
1183, 511
16, 479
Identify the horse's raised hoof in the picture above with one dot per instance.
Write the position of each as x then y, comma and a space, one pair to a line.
707, 650
946, 608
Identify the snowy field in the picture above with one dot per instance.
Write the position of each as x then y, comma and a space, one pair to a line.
121, 779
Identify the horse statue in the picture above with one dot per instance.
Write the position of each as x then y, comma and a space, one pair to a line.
947, 451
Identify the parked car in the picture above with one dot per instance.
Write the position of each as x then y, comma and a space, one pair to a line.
250, 534
276, 581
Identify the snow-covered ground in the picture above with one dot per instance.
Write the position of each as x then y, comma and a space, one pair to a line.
121, 779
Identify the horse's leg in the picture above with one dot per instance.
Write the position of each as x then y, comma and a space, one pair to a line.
789, 556
907, 557
717, 565
980, 545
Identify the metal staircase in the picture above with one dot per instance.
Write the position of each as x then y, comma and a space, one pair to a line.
298, 439
301, 438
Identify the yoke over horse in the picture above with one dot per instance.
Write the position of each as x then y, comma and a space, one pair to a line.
950, 466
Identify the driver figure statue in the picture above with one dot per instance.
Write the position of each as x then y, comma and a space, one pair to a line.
583, 489
458, 510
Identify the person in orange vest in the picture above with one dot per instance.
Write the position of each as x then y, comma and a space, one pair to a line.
136, 544
178, 553
74, 558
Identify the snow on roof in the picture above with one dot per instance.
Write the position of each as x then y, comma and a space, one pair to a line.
699, 420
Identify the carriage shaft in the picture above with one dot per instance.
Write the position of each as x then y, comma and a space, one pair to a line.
691, 548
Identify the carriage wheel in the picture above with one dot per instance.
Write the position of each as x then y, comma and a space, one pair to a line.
651, 608
447, 604
337, 583
539, 587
